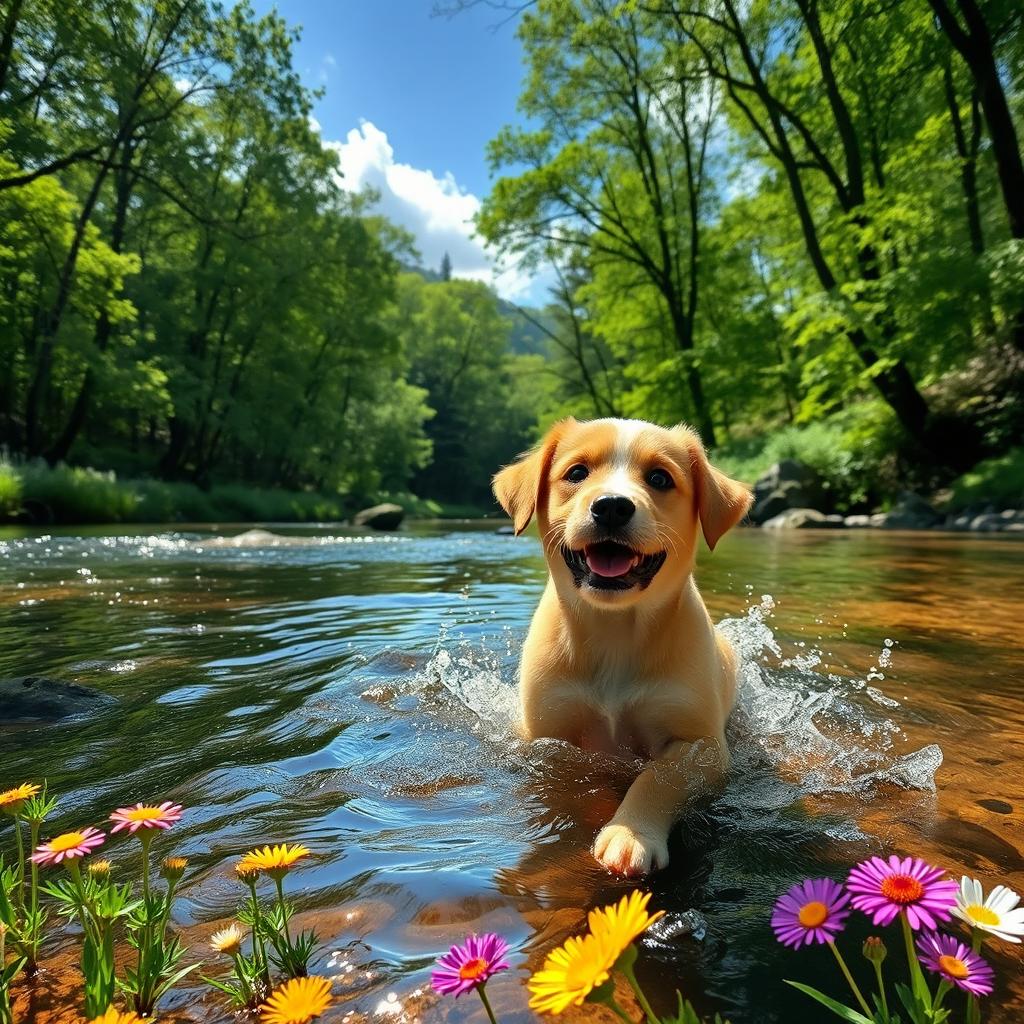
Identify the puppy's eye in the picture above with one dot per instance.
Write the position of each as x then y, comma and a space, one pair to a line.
577, 474
660, 480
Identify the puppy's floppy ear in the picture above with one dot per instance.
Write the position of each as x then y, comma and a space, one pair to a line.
520, 487
721, 501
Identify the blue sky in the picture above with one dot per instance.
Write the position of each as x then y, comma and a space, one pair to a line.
411, 101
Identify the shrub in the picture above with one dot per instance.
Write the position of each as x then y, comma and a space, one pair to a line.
10, 491
998, 481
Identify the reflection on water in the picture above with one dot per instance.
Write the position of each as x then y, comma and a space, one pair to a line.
357, 693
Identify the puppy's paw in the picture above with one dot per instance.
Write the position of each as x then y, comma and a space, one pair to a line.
626, 852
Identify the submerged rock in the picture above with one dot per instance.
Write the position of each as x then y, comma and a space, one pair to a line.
41, 699
255, 539
804, 519
380, 517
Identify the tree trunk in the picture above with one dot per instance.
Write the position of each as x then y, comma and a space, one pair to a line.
101, 339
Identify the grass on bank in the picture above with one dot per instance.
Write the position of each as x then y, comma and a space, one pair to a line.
76, 495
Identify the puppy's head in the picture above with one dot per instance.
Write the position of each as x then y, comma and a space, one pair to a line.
618, 503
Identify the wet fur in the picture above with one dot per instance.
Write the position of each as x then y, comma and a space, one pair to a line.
642, 671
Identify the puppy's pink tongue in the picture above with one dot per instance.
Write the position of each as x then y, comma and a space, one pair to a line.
609, 562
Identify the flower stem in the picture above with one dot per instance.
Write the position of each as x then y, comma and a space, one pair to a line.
639, 993
881, 989
34, 896
487, 1003
918, 985
620, 1013
21, 860
145, 838
849, 977
257, 936
279, 882
240, 973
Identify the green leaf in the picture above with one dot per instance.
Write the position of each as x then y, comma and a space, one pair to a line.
847, 1014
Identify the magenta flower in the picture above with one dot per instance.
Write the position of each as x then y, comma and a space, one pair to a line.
957, 963
146, 816
811, 911
69, 846
884, 888
470, 965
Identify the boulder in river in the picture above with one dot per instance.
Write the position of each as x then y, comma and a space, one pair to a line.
911, 512
254, 539
41, 699
387, 516
789, 484
804, 519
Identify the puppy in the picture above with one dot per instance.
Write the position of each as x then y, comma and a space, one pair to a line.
621, 655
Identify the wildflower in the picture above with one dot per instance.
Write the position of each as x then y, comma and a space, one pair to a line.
100, 869
227, 940
465, 967
884, 888
11, 800
172, 868
874, 949
570, 973
69, 846
997, 914
276, 861
146, 816
246, 872
113, 1016
812, 911
297, 1001
957, 963
620, 923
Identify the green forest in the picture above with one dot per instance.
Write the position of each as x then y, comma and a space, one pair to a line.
797, 225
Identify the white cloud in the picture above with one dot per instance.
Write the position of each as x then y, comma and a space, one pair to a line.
438, 212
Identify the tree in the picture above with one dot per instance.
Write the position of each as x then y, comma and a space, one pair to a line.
617, 170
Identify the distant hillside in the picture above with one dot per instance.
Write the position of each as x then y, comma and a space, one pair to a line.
525, 338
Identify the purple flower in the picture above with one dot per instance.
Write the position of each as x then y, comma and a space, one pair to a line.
812, 911
470, 965
884, 888
955, 962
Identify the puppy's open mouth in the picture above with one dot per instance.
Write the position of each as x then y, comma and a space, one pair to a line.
608, 565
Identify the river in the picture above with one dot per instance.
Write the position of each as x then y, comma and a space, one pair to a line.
356, 693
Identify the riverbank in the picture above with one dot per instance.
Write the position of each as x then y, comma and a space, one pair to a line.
37, 494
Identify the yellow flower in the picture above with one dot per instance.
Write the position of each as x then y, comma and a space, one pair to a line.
570, 973
12, 799
297, 1001
276, 861
113, 1016
172, 868
227, 940
620, 923
99, 868
246, 872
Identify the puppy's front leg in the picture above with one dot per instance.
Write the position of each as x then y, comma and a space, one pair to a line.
636, 839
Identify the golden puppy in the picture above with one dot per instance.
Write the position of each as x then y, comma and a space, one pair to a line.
622, 656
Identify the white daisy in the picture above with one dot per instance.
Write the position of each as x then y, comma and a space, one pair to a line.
998, 914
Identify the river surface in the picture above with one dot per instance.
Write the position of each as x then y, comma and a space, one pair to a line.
356, 693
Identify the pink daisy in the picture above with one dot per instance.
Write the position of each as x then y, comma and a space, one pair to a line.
470, 965
811, 911
69, 846
884, 888
957, 963
146, 816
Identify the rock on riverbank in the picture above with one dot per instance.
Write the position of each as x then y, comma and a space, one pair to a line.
789, 496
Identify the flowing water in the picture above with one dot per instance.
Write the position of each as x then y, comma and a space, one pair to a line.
356, 693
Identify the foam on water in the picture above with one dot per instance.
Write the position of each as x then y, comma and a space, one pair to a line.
797, 730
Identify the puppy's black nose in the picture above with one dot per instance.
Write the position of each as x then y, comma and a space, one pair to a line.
612, 511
